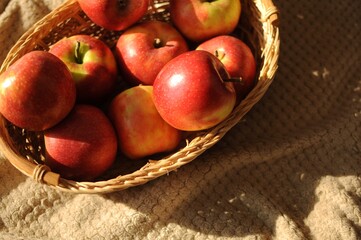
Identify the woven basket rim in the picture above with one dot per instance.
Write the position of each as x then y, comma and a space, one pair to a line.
268, 18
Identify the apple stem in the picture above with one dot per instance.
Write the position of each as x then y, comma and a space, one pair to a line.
157, 43
77, 53
122, 3
219, 54
235, 80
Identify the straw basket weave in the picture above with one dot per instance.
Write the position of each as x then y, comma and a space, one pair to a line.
258, 27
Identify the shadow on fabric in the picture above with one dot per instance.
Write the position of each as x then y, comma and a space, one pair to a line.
291, 168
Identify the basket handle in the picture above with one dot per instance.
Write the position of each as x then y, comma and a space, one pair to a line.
40, 173
270, 13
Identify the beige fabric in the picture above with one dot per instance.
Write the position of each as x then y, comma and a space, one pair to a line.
290, 170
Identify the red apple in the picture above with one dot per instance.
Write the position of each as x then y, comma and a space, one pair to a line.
37, 91
237, 58
191, 92
141, 130
114, 14
82, 146
144, 49
199, 20
91, 63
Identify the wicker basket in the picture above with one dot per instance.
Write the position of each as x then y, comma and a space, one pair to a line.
258, 27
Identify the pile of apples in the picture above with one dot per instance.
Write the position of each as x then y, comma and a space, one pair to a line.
182, 76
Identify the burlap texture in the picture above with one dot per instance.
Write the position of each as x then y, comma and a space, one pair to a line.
290, 170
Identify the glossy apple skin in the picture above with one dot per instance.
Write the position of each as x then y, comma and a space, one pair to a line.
190, 93
141, 130
237, 58
114, 14
200, 20
139, 59
94, 68
37, 91
82, 146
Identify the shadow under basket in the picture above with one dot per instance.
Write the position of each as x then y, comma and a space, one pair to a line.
258, 27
